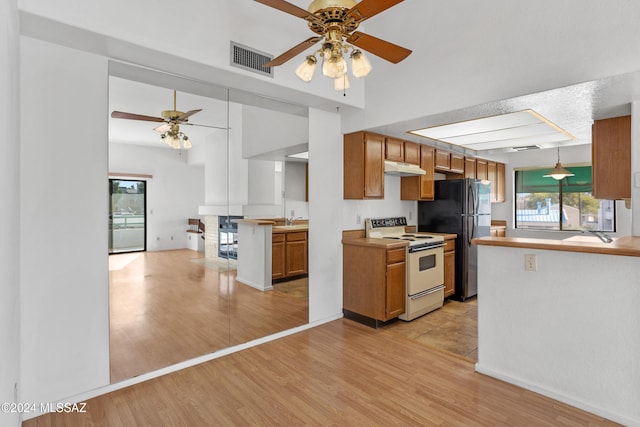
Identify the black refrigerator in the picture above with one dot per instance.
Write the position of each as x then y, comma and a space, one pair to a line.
463, 207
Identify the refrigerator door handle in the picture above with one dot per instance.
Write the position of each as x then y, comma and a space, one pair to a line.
471, 206
470, 235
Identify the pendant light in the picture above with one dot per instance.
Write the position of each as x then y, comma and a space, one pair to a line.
558, 172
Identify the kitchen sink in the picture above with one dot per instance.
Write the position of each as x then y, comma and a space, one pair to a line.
586, 239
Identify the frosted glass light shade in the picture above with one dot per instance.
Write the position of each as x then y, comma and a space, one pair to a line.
186, 142
306, 69
341, 83
334, 66
360, 65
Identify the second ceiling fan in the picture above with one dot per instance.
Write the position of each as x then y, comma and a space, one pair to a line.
336, 22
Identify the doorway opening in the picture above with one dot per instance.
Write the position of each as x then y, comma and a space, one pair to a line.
127, 216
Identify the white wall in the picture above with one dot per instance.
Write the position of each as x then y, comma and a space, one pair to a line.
354, 212
173, 194
263, 131
295, 179
10, 212
64, 315
576, 154
568, 330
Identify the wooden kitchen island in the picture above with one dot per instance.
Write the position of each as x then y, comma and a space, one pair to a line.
566, 324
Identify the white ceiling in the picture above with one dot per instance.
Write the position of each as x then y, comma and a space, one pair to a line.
464, 53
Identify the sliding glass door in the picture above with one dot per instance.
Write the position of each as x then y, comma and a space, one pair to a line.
127, 216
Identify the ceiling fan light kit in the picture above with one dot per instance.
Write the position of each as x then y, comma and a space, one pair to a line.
336, 22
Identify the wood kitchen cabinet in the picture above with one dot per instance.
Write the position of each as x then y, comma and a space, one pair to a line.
611, 158
289, 256
277, 256
501, 182
373, 280
449, 267
470, 167
456, 163
492, 175
394, 149
481, 169
412, 153
442, 160
420, 187
364, 154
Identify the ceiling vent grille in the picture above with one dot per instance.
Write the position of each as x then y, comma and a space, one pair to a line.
526, 148
250, 59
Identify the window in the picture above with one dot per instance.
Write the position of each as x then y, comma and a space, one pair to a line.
546, 204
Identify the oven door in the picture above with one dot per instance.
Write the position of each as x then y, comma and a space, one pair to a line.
425, 269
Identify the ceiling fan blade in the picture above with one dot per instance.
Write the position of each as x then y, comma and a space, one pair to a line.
131, 116
288, 8
204, 126
165, 127
384, 49
188, 114
293, 52
368, 8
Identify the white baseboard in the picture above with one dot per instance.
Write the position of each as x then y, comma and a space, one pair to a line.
585, 406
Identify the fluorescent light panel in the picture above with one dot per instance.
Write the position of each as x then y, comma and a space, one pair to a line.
504, 131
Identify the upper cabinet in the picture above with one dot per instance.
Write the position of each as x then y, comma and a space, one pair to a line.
487, 170
412, 152
448, 162
611, 158
364, 154
469, 167
420, 187
394, 149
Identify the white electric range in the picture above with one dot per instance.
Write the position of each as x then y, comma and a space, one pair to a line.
424, 264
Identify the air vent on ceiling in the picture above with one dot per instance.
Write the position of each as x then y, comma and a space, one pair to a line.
526, 148
250, 59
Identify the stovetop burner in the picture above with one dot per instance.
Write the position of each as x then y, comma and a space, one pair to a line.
394, 228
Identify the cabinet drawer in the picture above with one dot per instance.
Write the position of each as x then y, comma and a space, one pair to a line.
300, 235
277, 238
395, 255
449, 245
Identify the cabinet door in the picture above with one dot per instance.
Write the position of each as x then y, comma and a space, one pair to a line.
469, 168
394, 149
395, 294
363, 166
611, 158
374, 167
443, 160
277, 256
427, 186
492, 176
481, 169
296, 256
449, 273
457, 163
412, 153
500, 184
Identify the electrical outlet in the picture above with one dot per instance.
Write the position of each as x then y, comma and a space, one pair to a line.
529, 262
358, 219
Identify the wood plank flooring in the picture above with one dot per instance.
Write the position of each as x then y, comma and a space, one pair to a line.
167, 307
341, 373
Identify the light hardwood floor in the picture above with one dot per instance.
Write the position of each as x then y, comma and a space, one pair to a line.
170, 306
341, 373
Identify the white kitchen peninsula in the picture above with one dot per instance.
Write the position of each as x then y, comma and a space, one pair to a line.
570, 329
254, 253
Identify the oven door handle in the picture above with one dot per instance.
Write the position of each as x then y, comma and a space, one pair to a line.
427, 292
426, 248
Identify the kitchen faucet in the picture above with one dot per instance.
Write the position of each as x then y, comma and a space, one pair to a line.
292, 219
602, 236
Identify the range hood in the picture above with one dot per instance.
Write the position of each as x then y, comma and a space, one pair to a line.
402, 169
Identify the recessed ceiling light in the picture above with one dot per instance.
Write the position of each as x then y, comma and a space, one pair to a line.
522, 128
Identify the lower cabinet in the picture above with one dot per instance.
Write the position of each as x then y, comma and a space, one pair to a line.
289, 254
449, 267
374, 280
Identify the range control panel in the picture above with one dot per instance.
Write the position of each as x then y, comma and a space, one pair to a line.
400, 221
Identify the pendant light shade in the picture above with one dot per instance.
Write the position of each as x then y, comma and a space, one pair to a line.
360, 65
306, 69
558, 172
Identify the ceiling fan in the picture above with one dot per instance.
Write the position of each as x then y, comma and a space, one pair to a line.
335, 22
170, 128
